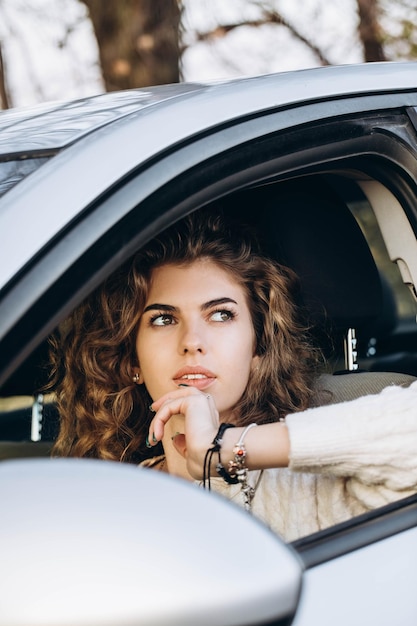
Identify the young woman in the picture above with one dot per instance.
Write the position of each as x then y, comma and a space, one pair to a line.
200, 330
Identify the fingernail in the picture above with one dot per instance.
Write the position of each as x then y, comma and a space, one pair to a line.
154, 439
151, 409
148, 445
175, 435
183, 385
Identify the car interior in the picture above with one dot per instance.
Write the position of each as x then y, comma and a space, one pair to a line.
349, 240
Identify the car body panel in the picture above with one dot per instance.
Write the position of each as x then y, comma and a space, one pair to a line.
374, 585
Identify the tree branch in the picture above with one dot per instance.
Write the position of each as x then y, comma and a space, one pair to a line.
269, 17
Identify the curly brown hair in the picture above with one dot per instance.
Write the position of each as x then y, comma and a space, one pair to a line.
103, 414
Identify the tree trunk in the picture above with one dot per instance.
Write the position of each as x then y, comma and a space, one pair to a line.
370, 32
4, 93
138, 41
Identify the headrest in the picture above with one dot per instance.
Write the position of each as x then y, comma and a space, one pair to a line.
306, 226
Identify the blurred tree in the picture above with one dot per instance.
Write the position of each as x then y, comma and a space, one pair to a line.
138, 41
384, 27
399, 28
4, 92
267, 14
370, 31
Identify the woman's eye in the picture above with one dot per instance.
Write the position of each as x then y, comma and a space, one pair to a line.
222, 316
162, 320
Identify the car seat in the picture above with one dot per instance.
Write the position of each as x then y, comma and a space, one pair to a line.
306, 226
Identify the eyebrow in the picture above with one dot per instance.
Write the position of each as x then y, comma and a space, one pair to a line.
161, 307
204, 307
211, 303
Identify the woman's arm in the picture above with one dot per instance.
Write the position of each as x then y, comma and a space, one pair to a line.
372, 439
267, 446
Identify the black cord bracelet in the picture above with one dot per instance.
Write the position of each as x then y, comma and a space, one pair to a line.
216, 445
221, 470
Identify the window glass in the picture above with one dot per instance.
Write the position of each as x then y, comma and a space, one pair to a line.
12, 172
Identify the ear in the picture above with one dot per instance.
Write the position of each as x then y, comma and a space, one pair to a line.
255, 362
137, 376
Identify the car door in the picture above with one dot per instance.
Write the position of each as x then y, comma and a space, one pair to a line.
354, 134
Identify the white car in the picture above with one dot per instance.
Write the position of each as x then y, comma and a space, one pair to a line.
324, 162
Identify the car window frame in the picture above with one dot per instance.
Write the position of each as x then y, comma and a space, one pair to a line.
193, 178
124, 157
186, 171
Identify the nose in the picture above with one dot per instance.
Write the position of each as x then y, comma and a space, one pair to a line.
192, 340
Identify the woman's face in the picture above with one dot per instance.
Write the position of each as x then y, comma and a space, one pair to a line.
196, 330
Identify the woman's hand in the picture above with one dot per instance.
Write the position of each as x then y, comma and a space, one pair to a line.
201, 424
267, 446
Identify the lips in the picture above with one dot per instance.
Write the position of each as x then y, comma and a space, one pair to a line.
194, 376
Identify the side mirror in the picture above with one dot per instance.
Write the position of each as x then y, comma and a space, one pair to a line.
92, 543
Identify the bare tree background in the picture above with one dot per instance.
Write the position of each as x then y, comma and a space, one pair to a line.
138, 41
144, 42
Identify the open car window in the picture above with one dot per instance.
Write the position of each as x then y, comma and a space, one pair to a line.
385, 339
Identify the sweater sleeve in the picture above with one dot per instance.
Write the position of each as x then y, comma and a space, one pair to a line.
372, 439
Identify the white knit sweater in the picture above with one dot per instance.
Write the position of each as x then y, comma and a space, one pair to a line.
345, 459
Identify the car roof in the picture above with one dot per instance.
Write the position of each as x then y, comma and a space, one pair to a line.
54, 125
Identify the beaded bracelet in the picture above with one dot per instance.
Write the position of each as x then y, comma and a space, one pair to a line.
221, 470
237, 469
238, 472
